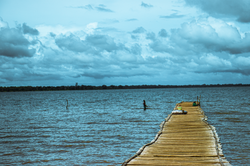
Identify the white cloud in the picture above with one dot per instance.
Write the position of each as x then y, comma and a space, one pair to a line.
243, 61
90, 28
59, 29
215, 61
3, 24
225, 31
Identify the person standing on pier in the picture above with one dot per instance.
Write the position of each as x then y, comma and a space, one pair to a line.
144, 105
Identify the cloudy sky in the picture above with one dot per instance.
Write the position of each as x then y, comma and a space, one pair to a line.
125, 42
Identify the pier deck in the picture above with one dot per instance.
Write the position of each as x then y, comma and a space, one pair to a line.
184, 139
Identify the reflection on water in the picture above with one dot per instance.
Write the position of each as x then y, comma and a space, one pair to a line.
106, 127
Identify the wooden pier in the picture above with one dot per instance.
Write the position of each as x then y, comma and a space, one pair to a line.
184, 139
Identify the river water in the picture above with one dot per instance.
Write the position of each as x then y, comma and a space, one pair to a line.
106, 127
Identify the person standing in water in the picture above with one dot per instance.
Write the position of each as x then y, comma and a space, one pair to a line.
144, 105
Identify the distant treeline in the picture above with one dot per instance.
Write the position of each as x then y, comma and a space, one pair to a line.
89, 87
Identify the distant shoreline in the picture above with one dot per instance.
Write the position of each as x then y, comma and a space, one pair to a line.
104, 87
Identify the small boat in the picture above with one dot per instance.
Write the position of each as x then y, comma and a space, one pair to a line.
179, 112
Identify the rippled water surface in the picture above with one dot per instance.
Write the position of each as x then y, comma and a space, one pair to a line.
106, 127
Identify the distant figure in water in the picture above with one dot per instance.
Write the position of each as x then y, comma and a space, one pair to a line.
144, 105
67, 104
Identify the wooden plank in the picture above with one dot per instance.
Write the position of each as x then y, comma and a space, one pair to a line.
181, 159
175, 162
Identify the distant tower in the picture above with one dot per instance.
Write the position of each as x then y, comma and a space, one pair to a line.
77, 84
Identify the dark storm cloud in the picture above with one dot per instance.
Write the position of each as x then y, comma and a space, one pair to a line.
29, 30
103, 42
174, 15
199, 47
146, 5
87, 7
134, 37
245, 72
221, 8
136, 33
132, 19
242, 46
110, 74
93, 44
14, 44
160, 46
139, 30
163, 33
198, 37
109, 21
136, 49
52, 34
103, 8
73, 43
237, 70
100, 7
150, 36
159, 43
25, 73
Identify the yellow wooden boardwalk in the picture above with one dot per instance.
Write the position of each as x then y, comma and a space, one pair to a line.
184, 139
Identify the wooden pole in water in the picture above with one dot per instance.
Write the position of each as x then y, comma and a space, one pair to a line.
67, 103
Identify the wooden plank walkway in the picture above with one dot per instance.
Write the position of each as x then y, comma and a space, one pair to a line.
184, 139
